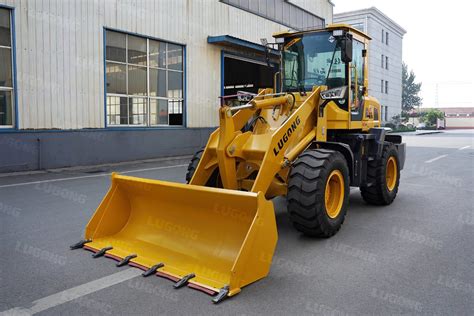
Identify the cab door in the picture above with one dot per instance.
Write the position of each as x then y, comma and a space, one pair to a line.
357, 81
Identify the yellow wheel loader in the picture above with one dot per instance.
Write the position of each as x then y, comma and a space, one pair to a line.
310, 139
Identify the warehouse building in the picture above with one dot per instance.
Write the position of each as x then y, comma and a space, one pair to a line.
385, 56
91, 82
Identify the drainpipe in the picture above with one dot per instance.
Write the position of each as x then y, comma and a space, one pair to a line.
39, 154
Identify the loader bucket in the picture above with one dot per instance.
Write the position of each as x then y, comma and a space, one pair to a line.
225, 238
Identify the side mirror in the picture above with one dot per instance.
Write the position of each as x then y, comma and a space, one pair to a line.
346, 48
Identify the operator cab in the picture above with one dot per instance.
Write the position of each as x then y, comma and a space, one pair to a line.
335, 57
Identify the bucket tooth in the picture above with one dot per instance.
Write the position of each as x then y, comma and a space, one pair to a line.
125, 260
224, 291
184, 280
153, 269
101, 252
80, 244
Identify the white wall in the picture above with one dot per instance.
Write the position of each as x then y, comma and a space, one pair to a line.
459, 122
394, 74
59, 48
374, 22
324, 7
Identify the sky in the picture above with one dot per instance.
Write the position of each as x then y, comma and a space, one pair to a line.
438, 45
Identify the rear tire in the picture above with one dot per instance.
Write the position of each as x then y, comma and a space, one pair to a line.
214, 179
318, 192
383, 177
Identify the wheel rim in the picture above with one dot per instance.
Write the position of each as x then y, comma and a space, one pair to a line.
334, 194
391, 173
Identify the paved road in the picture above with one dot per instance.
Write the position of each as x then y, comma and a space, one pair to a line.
413, 257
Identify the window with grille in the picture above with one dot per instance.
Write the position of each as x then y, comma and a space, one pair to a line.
144, 81
7, 97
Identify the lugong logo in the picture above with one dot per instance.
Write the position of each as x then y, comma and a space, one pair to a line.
286, 136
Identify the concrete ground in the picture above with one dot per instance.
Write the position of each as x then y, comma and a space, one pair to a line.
412, 257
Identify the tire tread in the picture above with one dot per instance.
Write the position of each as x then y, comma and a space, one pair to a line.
375, 192
306, 192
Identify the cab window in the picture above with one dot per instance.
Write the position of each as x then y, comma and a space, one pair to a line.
313, 59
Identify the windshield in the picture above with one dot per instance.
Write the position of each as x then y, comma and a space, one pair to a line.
312, 60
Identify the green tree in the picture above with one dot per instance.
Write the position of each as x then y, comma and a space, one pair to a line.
410, 89
431, 116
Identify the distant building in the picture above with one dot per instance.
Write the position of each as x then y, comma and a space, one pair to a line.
457, 118
385, 56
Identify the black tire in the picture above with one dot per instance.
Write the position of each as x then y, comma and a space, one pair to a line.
377, 191
306, 192
214, 180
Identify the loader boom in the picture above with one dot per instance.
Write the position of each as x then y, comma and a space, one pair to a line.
228, 143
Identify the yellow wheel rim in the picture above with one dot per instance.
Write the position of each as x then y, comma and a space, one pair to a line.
334, 194
391, 173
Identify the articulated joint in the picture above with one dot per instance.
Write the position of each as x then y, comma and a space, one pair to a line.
285, 163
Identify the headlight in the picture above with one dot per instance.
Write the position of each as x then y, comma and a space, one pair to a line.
334, 94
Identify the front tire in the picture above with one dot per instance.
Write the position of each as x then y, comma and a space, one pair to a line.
383, 178
318, 192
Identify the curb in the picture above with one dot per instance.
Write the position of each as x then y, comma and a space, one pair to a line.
416, 133
429, 132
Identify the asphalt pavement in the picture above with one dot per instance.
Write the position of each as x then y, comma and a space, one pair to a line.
412, 257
